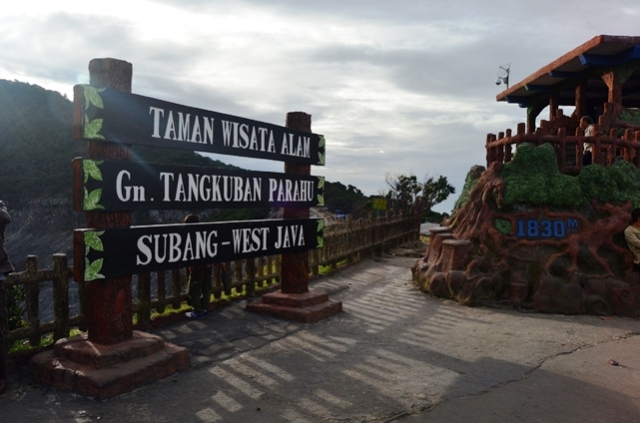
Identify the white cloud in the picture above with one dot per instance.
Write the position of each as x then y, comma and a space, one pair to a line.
403, 86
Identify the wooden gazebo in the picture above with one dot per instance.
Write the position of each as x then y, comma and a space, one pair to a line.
601, 78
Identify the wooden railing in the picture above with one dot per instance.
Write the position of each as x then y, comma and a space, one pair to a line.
344, 242
569, 148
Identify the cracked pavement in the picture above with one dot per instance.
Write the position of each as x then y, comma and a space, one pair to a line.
394, 354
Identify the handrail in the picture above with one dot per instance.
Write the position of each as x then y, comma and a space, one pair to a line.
346, 241
607, 149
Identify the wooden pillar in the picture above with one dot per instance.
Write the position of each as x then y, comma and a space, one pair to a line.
531, 123
553, 106
295, 266
108, 302
614, 82
581, 99
532, 113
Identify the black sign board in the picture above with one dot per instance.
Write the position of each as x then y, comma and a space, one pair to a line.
118, 185
117, 252
114, 116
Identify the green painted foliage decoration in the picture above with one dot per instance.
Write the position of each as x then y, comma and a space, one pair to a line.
320, 232
92, 241
320, 188
626, 178
503, 226
92, 129
91, 168
470, 182
91, 270
92, 97
92, 199
532, 178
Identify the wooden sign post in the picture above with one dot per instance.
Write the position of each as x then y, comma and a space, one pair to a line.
108, 306
112, 358
295, 266
118, 117
295, 301
108, 186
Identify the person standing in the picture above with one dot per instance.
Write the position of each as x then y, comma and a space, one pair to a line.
632, 236
586, 124
5, 268
199, 282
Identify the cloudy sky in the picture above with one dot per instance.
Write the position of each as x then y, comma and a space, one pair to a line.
402, 86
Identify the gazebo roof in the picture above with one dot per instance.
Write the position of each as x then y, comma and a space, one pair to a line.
582, 63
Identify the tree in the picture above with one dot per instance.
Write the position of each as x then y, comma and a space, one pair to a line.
347, 199
435, 191
406, 193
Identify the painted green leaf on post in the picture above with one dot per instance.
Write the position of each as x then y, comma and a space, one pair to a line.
320, 232
92, 199
92, 129
91, 270
321, 180
91, 169
321, 144
92, 96
92, 241
321, 188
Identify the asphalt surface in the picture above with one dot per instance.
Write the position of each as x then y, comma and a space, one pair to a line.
394, 355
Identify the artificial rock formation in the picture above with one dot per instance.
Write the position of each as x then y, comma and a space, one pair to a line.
548, 246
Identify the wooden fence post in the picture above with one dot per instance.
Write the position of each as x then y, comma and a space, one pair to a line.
144, 300
32, 294
61, 296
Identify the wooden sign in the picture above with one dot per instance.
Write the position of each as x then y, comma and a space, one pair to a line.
112, 253
118, 185
114, 116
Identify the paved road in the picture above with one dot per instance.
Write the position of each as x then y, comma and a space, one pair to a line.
393, 355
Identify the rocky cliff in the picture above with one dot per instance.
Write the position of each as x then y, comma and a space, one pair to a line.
531, 238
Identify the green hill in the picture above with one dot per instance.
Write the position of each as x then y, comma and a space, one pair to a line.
36, 145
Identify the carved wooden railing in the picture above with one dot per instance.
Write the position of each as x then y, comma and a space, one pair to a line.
344, 242
569, 148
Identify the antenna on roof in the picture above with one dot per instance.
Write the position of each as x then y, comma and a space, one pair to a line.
503, 75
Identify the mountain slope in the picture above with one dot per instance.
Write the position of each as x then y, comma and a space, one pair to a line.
36, 150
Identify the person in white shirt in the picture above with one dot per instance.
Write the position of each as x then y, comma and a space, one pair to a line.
632, 235
586, 123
